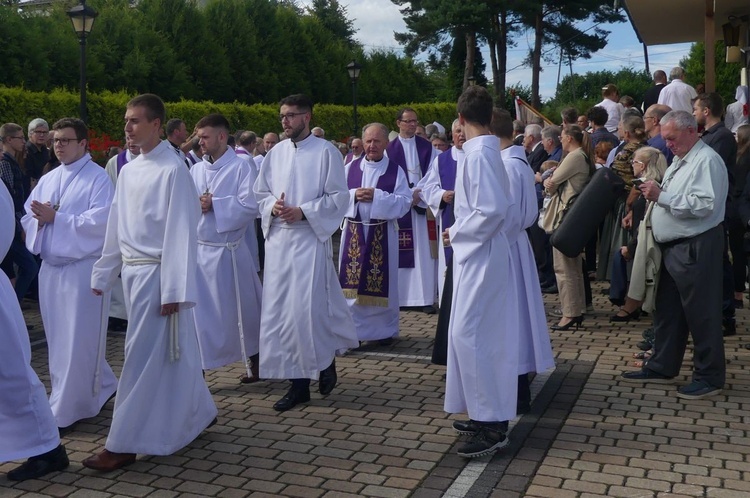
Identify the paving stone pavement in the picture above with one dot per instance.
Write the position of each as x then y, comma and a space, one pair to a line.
383, 432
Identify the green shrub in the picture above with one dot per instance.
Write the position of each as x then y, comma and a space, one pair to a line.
106, 111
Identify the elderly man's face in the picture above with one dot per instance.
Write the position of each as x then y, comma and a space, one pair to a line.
357, 147
583, 122
375, 140
39, 136
679, 141
549, 145
459, 138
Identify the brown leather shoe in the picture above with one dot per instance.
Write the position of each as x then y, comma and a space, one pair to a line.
107, 461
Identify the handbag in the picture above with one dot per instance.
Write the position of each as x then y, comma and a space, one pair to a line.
556, 211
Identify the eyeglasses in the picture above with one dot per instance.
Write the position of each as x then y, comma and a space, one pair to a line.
290, 115
409, 121
648, 117
636, 161
64, 141
11, 138
40, 132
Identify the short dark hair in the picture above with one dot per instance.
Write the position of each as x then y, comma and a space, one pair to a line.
82, 131
173, 125
502, 123
711, 101
598, 115
569, 115
401, 112
8, 129
298, 100
475, 105
214, 120
153, 105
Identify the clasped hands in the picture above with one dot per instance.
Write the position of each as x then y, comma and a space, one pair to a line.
364, 194
43, 212
290, 214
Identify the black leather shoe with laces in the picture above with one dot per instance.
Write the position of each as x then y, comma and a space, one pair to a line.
327, 379
488, 439
465, 427
294, 397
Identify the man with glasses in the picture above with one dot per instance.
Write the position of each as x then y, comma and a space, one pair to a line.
302, 195
417, 276
65, 222
37, 153
13, 143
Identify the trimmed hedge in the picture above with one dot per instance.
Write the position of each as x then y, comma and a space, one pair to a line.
106, 111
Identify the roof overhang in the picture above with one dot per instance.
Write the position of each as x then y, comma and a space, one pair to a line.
663, 22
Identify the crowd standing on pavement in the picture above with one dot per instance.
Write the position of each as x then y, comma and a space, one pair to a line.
214, 248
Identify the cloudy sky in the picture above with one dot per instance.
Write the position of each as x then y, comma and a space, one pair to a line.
377, 20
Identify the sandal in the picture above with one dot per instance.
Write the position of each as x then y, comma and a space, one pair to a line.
638, 363
643, 355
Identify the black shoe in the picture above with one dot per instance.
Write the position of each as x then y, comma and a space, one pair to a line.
386, 342
291, 399
633, 315
576, 321
38, 466
429, 310
327, 379
552, 289
730, 327
645, 345
487, 440
466, 427
523, 408
738, 304
646, 376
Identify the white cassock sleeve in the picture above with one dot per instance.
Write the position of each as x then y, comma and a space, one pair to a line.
74, 236
234, 212
524, 194
263, 194
107, 268
488, 206
432, 190
179, 253
326, 212
392, 206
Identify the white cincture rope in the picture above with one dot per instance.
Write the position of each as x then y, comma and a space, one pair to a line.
363, 223
232, 246
174, 342
103, 321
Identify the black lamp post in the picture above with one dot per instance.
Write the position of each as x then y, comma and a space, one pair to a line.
83, 20
354, 70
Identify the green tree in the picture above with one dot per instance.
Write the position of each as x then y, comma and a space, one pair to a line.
335, 18
727, 73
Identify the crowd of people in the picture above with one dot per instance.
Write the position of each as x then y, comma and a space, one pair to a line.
214, 248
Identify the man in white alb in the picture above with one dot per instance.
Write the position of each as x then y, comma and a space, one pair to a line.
228, 318
302, 195
417, 268
28, 428
162, 401
65, 223
368, 257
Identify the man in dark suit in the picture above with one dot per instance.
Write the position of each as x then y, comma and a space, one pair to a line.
532, 142
651, 96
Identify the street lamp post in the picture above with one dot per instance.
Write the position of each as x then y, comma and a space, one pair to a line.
353, 68
82, 17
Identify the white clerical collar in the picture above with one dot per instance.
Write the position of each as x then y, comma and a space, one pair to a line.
79, 163
407, 140
373, 164
228, 156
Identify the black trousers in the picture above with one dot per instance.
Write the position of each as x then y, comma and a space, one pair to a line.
688, 302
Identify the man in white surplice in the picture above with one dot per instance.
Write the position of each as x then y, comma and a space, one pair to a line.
118, 314
439, 197
229, 289
28, 428
484, 311
162, 402
417, 273
379, 195
65, 222
302, 195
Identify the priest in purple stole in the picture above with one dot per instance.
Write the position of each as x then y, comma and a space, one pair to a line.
417, 269
368, 258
